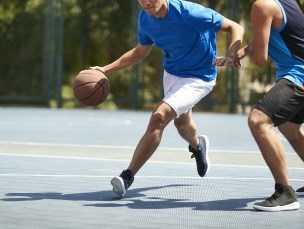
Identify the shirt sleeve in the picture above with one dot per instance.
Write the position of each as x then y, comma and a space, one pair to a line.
204, 18
143, 38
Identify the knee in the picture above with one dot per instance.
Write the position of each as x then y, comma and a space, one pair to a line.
157, 121
256, 120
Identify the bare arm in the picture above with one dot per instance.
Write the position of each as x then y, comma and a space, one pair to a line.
264, 15
261, 19
131, 57
236, 33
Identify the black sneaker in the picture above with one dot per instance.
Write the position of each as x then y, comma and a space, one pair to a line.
300, 191
201, 155
283, 199
123, 182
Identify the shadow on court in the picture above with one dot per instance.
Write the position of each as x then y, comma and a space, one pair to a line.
131, 201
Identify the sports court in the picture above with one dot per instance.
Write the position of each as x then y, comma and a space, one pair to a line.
56, 167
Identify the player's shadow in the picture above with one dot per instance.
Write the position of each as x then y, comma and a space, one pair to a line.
86, 196
161, 203
135, 199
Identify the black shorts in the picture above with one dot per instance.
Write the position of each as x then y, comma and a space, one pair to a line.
284, 102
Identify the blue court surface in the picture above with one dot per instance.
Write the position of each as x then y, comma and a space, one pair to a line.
56, 167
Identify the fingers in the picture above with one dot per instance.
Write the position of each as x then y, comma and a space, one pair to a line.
223, 61
98, 68
226, 61
101, 69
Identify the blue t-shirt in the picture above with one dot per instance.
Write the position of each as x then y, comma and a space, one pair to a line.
286, 44
187, 35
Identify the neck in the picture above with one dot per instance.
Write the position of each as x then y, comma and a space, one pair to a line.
162, 11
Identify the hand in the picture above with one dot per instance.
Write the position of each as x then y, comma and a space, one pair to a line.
226, 61
101, 69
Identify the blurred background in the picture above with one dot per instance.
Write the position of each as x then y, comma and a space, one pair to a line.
45, 43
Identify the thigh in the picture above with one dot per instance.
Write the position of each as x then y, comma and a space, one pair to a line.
298, 118
290, 130
282, 103
184, 118
183, 93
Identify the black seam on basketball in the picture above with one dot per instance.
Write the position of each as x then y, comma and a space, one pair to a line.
103, 91
107, 85
80, 85
91, 93
100, 98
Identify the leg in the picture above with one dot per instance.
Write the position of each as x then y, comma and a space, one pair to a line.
186, 127
152, 137
280, 104
180, 95
199, 146
295, 136
270, 145
272, 150
147, 145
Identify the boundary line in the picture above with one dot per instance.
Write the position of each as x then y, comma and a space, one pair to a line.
155, 177
110, 146
128, 160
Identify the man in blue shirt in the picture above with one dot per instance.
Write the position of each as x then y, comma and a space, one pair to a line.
278, 31
186, 32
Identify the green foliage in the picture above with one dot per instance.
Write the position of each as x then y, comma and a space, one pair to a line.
96, 33
21, 29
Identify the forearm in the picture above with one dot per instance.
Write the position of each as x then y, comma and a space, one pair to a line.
128, 59
236, 38
236, 33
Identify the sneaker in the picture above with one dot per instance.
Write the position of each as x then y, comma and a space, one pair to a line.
300, 191
122, 182
283, 199
201, 155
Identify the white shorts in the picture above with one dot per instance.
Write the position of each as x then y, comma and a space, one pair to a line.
183, 93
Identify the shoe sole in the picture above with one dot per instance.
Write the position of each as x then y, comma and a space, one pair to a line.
206, 140
288, 207
118, 186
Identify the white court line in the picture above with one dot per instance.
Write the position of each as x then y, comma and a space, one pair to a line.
154, 177
125, 160
109, 146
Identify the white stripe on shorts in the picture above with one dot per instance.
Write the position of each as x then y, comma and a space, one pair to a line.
183, 93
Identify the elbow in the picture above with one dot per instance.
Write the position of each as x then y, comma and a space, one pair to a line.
259, 59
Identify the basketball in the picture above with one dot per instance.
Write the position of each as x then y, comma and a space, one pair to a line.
91, 87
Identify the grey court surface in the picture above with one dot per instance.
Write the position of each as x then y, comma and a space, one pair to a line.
56, 167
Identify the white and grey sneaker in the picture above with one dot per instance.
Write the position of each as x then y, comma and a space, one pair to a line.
283, 199
122, 183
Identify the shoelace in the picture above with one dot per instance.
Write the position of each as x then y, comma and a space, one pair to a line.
193, 151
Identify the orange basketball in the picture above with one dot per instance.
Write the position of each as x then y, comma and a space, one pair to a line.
91, 87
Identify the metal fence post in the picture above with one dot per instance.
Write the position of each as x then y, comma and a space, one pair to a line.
53, 52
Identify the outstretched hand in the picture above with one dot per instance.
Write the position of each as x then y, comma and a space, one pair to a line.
222, 61
98, 68
101, 69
